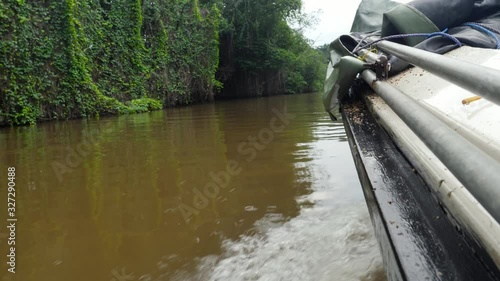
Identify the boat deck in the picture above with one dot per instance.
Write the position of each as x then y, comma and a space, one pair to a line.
419, 240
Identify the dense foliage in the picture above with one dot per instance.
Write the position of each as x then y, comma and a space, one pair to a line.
262, 52
64, 59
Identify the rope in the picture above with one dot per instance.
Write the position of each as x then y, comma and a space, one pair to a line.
401, 36
487, 30
372, 50
357, 48
488, 27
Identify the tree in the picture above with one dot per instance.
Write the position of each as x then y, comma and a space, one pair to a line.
260, 49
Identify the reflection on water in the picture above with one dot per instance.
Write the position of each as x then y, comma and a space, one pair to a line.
236, 190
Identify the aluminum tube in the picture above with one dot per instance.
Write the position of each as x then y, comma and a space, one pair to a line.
481, 80
474, 168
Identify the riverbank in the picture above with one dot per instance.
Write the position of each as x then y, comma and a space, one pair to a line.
136, 106
77, 59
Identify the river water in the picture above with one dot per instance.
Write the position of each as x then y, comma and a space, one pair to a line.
257, 189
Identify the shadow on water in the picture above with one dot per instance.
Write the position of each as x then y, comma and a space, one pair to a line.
237, 190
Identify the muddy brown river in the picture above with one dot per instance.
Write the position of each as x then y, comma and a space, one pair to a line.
256, 189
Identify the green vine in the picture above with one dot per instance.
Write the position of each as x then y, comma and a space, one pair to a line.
62, 59
68, 59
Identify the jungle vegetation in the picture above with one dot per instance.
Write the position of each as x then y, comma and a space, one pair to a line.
62, 59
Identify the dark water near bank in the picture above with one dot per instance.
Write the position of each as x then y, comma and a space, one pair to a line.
237, 190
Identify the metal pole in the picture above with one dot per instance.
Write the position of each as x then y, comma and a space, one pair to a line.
482, 81
474, 168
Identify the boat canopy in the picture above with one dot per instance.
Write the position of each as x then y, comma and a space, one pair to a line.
428, 16
430, 25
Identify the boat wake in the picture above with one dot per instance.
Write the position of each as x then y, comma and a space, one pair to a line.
320, 244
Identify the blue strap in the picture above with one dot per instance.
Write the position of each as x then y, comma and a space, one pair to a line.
428, 35
446, 35
486, 30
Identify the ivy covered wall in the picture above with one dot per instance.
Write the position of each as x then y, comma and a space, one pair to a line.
64, 59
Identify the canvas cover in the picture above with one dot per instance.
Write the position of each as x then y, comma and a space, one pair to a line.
427, 16
369, 15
